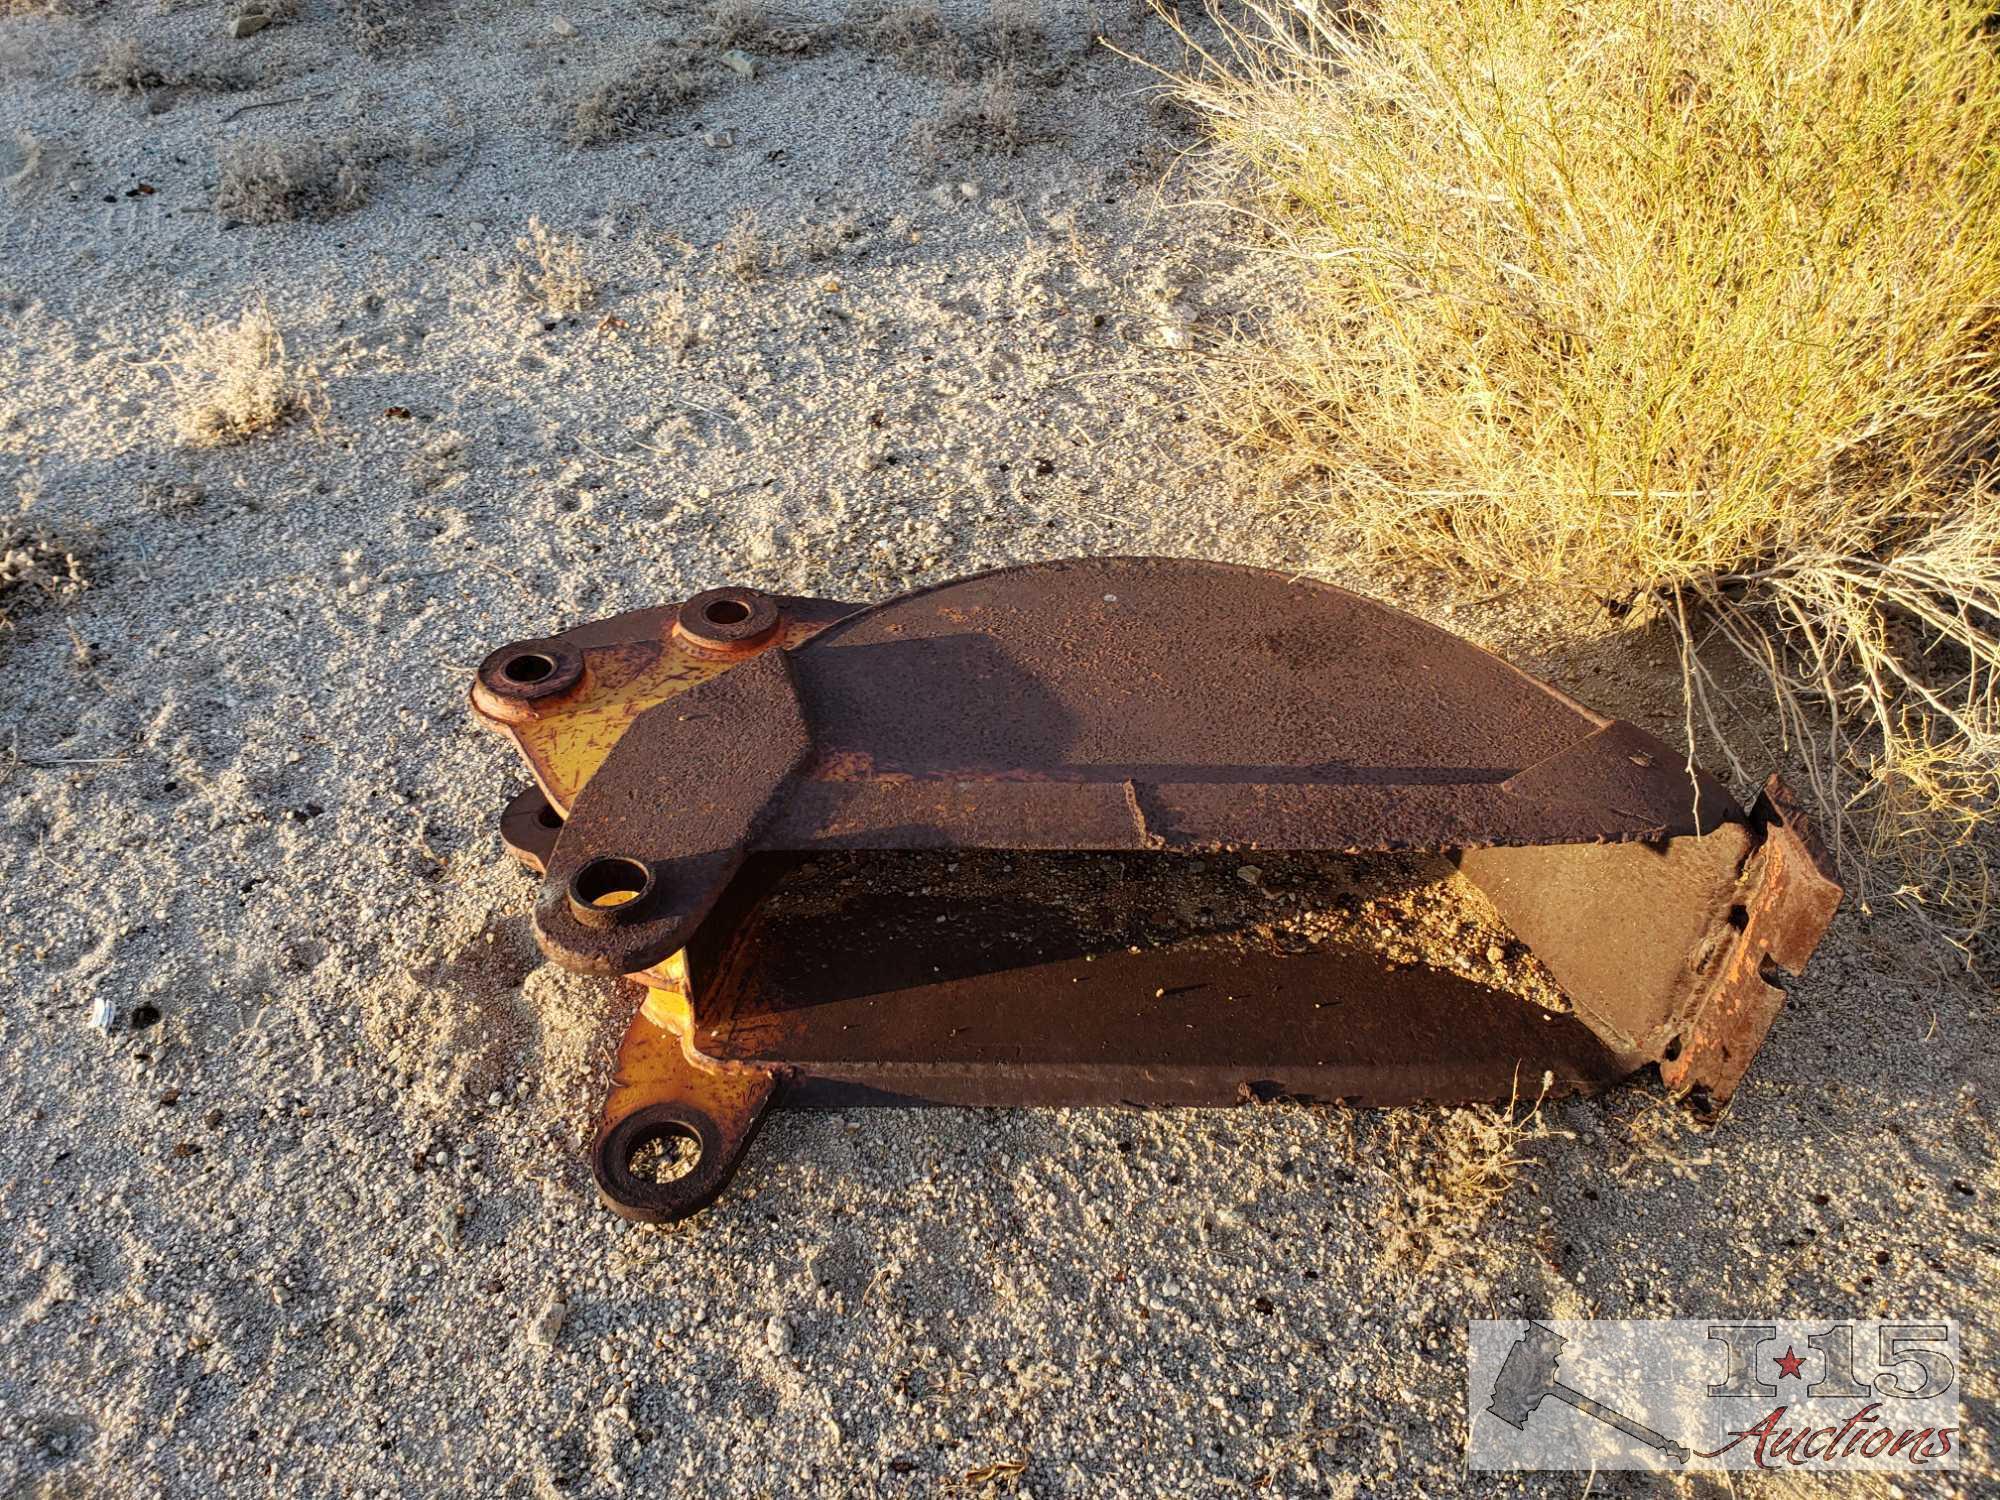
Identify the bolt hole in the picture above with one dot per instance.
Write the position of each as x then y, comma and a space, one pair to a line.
529, 667
610, 881
548, 817
664, 1155
726, 612
1739, 917
1673, 1052
144, 1016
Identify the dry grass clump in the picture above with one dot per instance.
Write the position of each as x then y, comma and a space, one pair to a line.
274, 12
36, 567
669, 322
119, 65
746, 252
236, 382
1453, 1167
825, 239
1693, 308
912, 34
282, 180
550, 276
632, 99
916, 37
380, 27
981, 115
637, 97
754, 26
1013, 32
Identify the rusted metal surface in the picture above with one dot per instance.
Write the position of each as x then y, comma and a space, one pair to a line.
664, 1095
728, 622
1788, 896
1068, 985
691, 758
528, 827
609, 673
1667, 948
1620, 925
1117, 704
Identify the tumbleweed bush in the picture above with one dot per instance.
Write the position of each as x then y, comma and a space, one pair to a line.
1694, 307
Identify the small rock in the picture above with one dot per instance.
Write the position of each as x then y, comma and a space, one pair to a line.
1175, 335
778, 1336
719, 140
494, 1099
1495, 953
563, 27
213, 1119
1249, 874
248, 25
451, 1225
740, 63
969, 191
548, 1323
102, 1013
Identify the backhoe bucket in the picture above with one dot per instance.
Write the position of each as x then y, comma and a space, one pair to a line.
1118, 831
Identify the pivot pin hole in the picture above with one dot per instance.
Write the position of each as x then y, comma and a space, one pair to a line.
666, 1153
609, 888
529, 667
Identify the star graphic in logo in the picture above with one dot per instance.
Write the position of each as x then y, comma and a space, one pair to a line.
1789, 1364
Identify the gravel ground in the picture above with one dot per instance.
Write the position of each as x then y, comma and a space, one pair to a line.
312, 1216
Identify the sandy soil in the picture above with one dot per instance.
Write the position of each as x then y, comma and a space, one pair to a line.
303, 1233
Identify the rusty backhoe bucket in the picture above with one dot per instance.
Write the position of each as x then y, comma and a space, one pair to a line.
1116, 831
